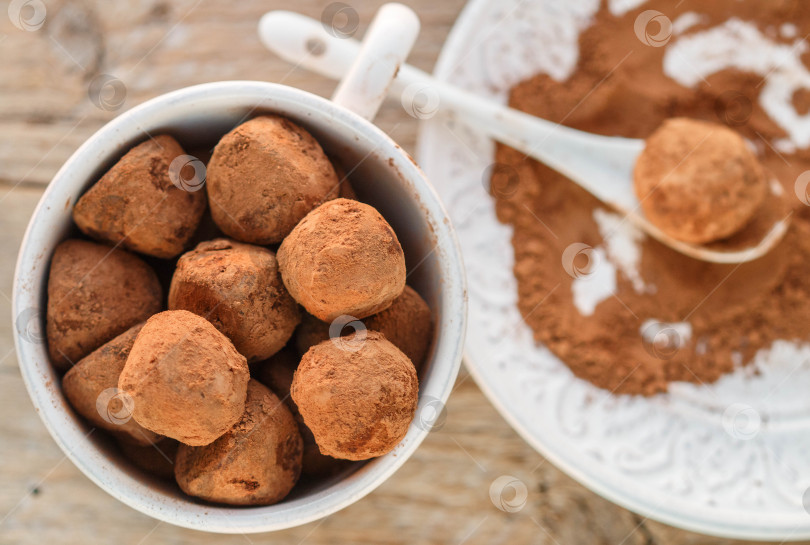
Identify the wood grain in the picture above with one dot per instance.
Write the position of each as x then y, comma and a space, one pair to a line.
441, 495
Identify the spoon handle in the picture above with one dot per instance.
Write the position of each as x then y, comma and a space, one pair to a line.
374, 65
585, 158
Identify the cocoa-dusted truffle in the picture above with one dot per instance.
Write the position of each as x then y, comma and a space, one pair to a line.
408, 323
91, 387
698, 181
312, 331
347, 191
264, 176
138, 204
315, 464
157, 459
237, 287
277, 374
95, 292
357, 402
257, 462
343, 259
344, 188
185, 378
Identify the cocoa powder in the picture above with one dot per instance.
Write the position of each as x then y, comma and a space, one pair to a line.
619, 88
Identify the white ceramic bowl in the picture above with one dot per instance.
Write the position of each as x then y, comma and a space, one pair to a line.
385, 177
728, 458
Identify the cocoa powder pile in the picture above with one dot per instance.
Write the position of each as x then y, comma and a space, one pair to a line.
620, 88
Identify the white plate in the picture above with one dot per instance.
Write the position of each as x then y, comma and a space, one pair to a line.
730, 459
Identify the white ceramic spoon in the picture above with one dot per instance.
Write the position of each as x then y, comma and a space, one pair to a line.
601, 165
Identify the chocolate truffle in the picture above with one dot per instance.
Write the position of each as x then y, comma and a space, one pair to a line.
147, 201
237, 287
698, 181
185, 378
344, 188
157, 459
313, 331
358, 403
91, 387
314, 464
264, 176
342, 259
408, 323
347, 191
257, 462
94, 294
277, 374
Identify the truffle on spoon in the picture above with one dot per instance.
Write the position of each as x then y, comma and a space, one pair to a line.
698, 181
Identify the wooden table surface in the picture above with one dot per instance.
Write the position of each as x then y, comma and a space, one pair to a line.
441, 495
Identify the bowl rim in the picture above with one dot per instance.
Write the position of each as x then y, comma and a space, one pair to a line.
42, 382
